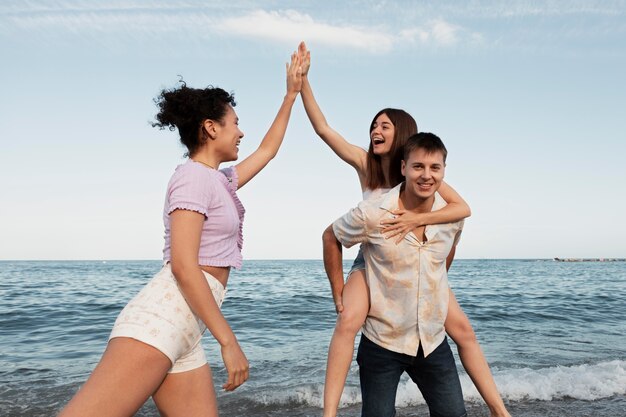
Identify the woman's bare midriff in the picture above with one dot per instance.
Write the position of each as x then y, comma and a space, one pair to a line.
219, 272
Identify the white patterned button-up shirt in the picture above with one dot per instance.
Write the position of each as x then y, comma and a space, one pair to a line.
408, 282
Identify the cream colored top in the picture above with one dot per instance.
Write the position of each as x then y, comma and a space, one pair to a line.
371, 194
408, 282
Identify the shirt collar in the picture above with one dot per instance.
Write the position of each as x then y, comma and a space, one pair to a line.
390, 203
433, 229
390, 200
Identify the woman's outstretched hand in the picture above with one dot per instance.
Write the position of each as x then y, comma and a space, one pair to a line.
236, 365
398, 226
305, 58
294, 74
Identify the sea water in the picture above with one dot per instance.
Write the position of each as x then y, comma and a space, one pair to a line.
554, 334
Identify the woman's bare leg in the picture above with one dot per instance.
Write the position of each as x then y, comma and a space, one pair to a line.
460, 330
128, 373
355, 299
188, 393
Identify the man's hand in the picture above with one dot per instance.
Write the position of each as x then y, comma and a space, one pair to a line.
333, 265
338, 301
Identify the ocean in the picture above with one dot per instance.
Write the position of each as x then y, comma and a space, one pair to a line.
554, 334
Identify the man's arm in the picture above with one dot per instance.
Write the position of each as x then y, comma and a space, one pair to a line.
348, 230
333, 264
450, 257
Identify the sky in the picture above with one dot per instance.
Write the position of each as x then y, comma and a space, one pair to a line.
528, 96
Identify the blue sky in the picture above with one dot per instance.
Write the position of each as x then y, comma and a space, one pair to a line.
529, 97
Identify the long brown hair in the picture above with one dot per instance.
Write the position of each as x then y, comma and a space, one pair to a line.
404, 126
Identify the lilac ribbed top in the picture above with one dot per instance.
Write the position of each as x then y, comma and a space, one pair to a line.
212, 193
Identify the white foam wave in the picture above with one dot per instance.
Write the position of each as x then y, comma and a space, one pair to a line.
583, 382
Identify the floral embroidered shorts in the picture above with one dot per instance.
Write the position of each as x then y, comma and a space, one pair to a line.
160, 317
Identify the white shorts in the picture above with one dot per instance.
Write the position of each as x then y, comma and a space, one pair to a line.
160, 317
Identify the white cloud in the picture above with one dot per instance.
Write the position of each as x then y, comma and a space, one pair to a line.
497, 9
291, 26
439, 33
444, 33
535, 8
287, 26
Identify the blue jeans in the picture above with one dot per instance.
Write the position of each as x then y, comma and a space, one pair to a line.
436, 377
359, 262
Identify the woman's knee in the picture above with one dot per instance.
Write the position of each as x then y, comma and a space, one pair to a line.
458, 325
350, 321
462, 333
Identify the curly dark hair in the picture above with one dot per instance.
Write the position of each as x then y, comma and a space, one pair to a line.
187, 108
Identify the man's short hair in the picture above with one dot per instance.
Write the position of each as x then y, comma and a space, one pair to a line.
426, 141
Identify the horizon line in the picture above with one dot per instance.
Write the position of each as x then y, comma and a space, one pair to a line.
284, 259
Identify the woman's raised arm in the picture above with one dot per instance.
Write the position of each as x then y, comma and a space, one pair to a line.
348, 152
267, 150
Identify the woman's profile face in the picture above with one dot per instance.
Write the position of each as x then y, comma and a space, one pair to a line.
229, 135
382, 134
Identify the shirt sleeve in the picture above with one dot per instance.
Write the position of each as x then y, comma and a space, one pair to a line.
232, 177
190, 190
350, 228
457, 237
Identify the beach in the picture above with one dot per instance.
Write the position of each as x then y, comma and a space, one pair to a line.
553, 332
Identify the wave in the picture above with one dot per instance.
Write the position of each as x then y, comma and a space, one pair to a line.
581, 382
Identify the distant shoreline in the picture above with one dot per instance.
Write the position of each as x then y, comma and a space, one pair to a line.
590, 259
